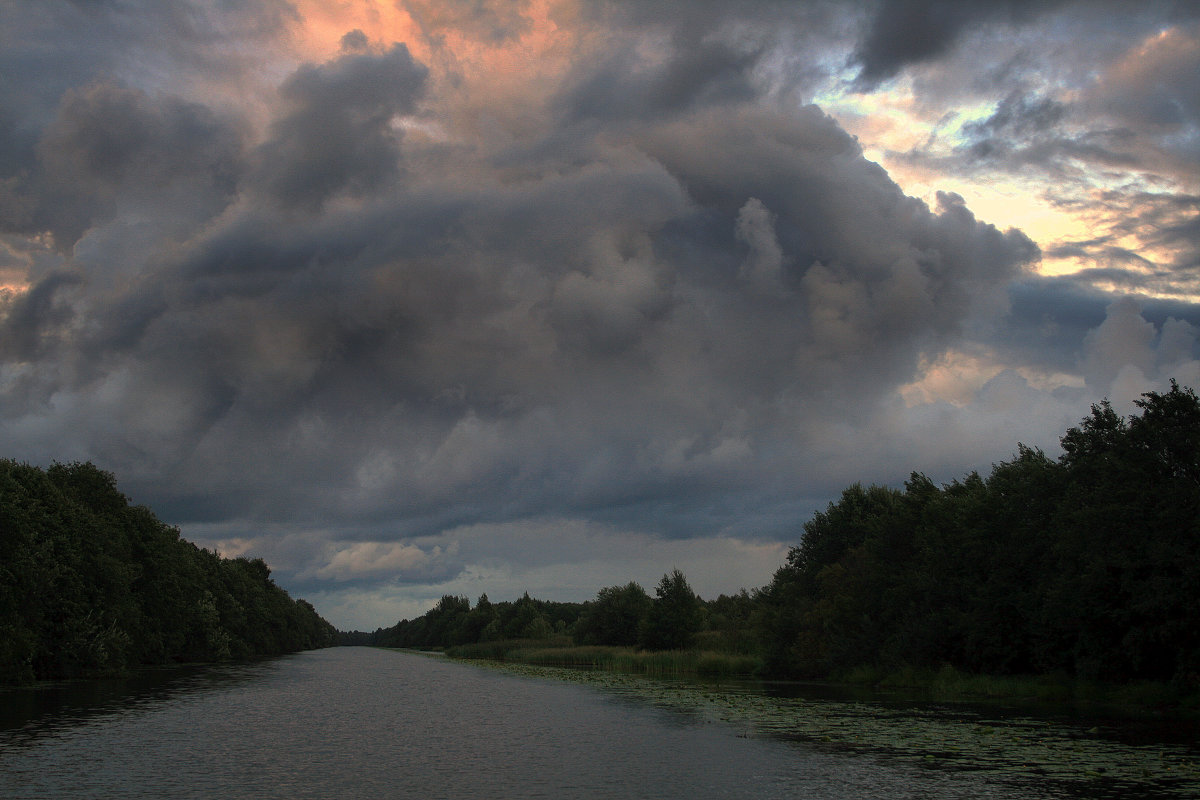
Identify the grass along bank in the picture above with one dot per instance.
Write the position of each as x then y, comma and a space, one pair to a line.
944, 685
560, 652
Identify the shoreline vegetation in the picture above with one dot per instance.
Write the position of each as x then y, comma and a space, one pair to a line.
1073, 580
562, 652
945, 685
91, 586
942, 685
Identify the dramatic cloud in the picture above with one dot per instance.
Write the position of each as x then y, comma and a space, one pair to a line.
904, 32
474, 297
340, 131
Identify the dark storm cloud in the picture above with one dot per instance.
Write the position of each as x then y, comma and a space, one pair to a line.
74, 132
866, 267
107, 135
382, 308
50, 46
693, 74
340, 131
469, 354
904, 32
31, 324
1019, 114
1157, 86
664, 56
108, 140
1050, 319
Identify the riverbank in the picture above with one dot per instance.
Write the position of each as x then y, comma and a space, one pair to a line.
1140, 698
560, 652
1143, 698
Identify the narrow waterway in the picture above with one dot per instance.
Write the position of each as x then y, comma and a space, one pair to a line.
368, 723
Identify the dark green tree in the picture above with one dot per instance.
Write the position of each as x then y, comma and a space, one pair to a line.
1123, 597
675, 615
91, 585
615, 617
476, 622
526, 620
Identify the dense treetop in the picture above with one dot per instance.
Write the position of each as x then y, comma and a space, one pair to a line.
1087, 565
90, 584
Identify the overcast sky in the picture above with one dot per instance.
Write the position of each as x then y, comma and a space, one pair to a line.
457, 296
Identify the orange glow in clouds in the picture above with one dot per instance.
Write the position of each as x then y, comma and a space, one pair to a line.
430, 38
325, 22
483, 80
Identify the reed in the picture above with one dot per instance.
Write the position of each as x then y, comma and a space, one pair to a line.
615, 659
501, 649
950, 684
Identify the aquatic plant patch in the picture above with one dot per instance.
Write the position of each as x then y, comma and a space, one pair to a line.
1079, 756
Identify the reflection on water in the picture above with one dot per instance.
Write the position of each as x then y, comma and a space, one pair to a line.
364, 723
27, 713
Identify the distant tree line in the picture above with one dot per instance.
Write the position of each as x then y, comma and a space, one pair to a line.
1087, 565
620, 615
91, 585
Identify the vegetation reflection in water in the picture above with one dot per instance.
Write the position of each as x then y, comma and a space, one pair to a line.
1080, 761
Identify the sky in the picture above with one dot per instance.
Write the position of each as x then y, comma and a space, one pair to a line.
425, 297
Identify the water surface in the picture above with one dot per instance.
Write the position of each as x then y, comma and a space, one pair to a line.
369, 723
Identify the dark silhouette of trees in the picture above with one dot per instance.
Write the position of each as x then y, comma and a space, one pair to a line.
674, 617
1127, 566
1088, 565
452, 622
92, 585
615, 617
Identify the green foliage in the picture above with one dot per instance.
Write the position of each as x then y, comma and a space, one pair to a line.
620, 615
1088, 566
91, 585
729, 625
675, 615
452, 622
615, 617
559, 652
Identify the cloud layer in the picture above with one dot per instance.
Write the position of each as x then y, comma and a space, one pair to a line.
476, 296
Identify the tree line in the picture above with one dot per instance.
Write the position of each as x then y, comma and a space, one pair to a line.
1087, 565
92, 585
620, 615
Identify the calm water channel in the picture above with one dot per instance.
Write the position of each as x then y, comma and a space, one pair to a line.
367, 723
